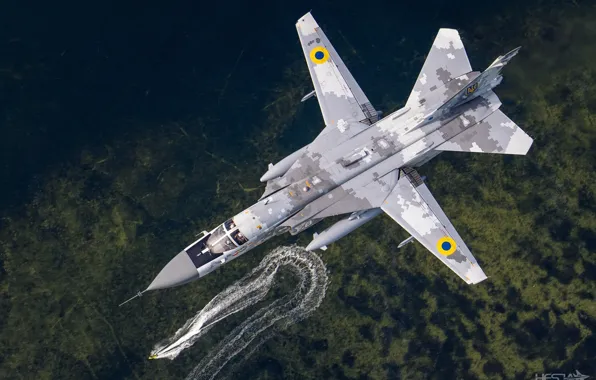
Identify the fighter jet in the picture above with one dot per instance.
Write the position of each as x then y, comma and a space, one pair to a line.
362, 165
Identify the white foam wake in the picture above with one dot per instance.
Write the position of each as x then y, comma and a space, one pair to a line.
252, 288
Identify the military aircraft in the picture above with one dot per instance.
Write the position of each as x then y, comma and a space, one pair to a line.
363, 165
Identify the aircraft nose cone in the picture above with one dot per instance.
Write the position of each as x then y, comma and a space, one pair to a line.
178, 271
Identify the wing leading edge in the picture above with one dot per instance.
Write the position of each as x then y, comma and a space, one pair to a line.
415, 209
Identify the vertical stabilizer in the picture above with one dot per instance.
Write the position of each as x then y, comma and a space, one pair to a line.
485, 82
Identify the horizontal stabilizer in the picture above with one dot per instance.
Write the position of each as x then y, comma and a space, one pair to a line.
446, 60
495, 134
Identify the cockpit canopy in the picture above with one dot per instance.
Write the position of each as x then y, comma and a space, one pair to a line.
225, 238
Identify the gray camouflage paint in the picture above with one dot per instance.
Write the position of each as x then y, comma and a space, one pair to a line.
446, 60
415, 209
351, 166
495, 134
358, 163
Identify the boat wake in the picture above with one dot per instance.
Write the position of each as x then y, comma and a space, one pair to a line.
260, 326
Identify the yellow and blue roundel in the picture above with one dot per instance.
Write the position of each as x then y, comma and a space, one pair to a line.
319, 55
446, 246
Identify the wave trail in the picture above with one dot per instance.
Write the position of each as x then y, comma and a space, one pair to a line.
257, 328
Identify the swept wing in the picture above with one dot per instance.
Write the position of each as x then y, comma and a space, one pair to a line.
403, 196
412, 205
338, 93
345, 108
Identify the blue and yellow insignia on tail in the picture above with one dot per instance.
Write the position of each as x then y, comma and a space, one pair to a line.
446, 246
472, 88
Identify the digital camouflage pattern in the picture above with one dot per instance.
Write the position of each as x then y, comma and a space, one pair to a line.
359, 163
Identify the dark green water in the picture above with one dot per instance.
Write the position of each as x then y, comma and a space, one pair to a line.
128, 128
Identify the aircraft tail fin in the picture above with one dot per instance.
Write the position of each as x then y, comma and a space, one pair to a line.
483, 83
